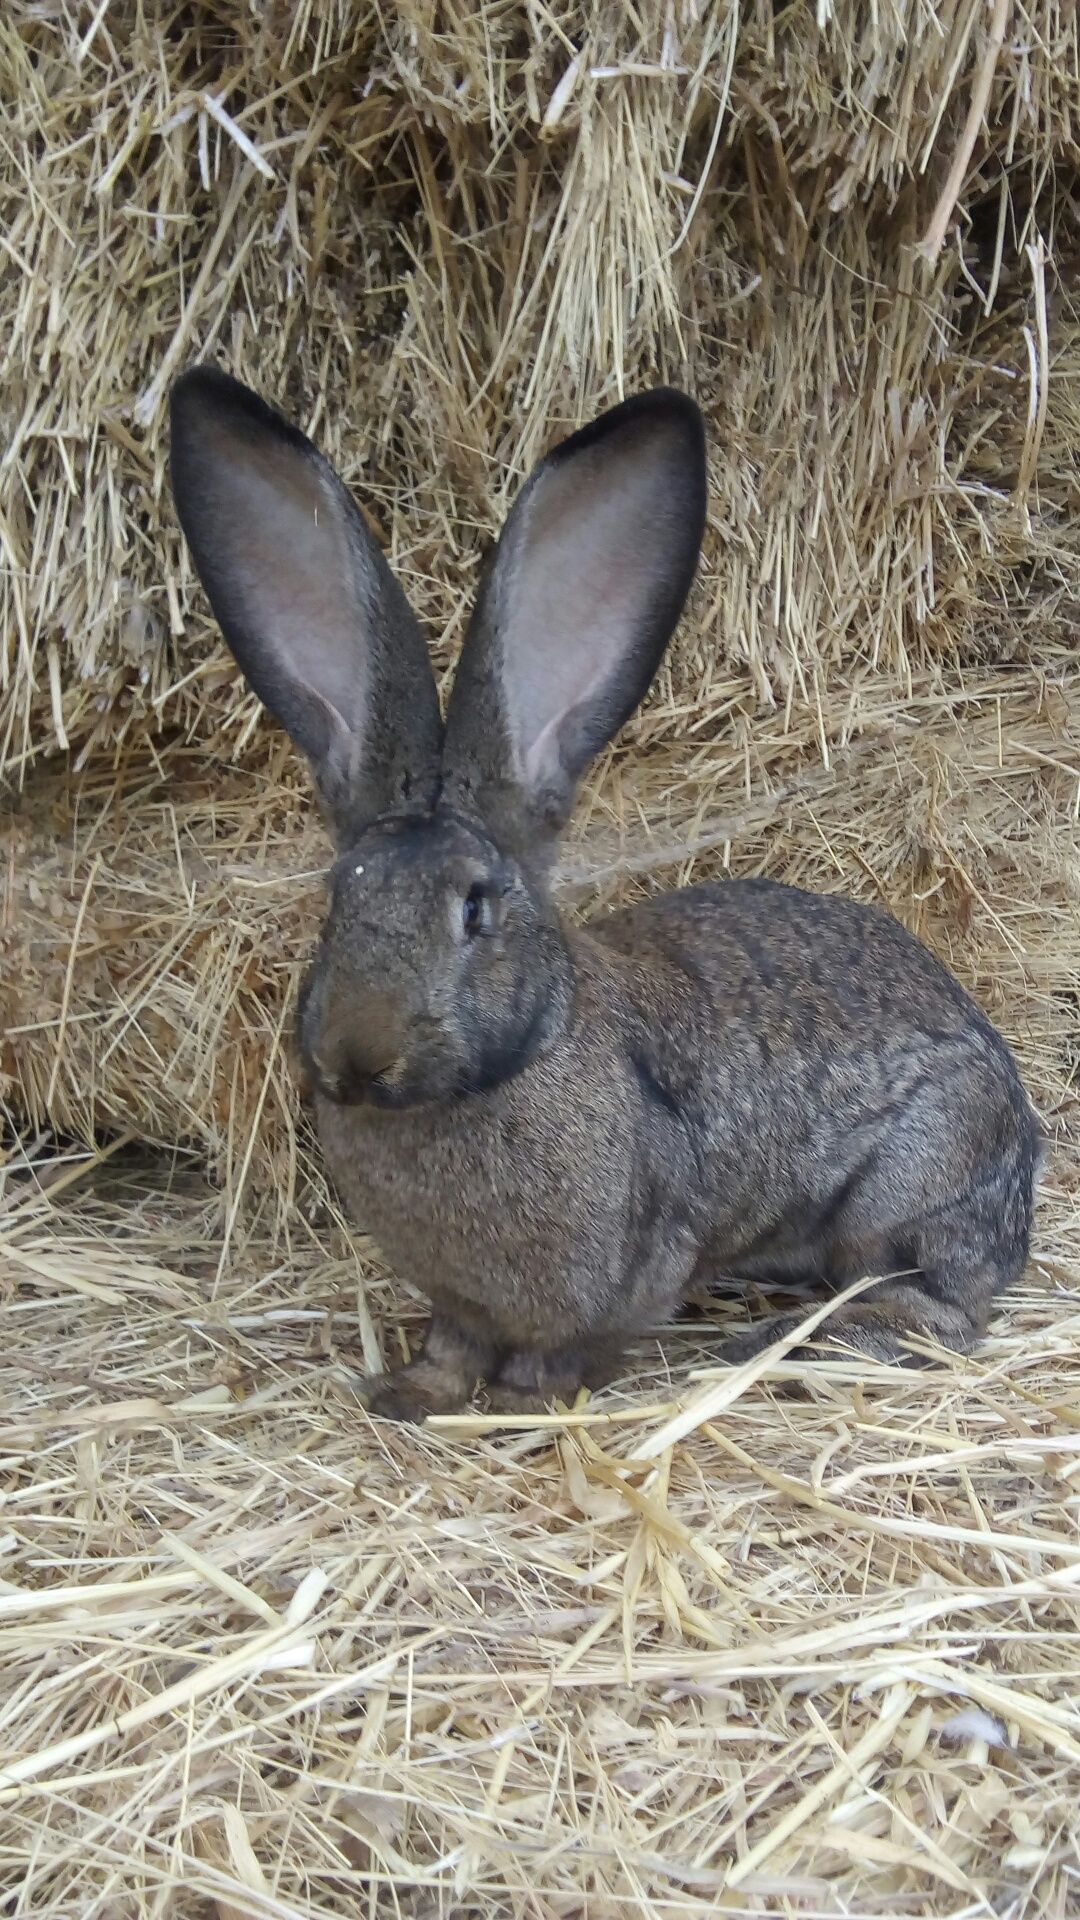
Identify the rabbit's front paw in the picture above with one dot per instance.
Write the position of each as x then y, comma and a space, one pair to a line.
410, 1393
530, 1382
440, 1378
509, 1399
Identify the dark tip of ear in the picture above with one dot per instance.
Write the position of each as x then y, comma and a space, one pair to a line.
204, 396
664, 415
199, 389
659, 406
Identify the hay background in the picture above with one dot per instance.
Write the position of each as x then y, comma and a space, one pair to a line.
463, 230
261, 1658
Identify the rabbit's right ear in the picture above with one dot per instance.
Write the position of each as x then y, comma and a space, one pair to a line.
310, 610
579, 602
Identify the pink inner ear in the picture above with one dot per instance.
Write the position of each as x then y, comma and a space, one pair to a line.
594, 538
293, 566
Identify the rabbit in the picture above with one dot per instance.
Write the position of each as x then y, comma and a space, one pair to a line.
556, 1133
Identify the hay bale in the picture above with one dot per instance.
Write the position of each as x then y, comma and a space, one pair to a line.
440, 238
439, 234
151, 961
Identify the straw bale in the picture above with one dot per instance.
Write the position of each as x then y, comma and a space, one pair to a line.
153, 933
473, 235
439, 235
438, 232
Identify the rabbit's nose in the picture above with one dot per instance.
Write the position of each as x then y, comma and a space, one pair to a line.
363, 1045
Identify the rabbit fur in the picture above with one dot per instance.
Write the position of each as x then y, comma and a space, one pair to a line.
554, 1132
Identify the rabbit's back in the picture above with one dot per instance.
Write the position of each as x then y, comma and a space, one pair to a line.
773, 954
833, 1075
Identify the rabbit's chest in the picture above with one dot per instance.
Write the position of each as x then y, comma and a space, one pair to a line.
516, 1207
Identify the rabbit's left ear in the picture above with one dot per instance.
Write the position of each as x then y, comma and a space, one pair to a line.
586, 585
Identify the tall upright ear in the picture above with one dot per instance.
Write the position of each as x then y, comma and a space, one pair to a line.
583, 593
316, 621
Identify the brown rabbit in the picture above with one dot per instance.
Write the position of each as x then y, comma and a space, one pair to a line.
556, 1133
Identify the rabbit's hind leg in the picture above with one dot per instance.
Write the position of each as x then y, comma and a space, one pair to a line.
897, 1323
942, 1297
959, 1255
946, 1261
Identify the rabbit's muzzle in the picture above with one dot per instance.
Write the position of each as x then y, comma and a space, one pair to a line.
354, 1051
361, 1046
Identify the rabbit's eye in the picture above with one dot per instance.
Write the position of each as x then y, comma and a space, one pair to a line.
476, 912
